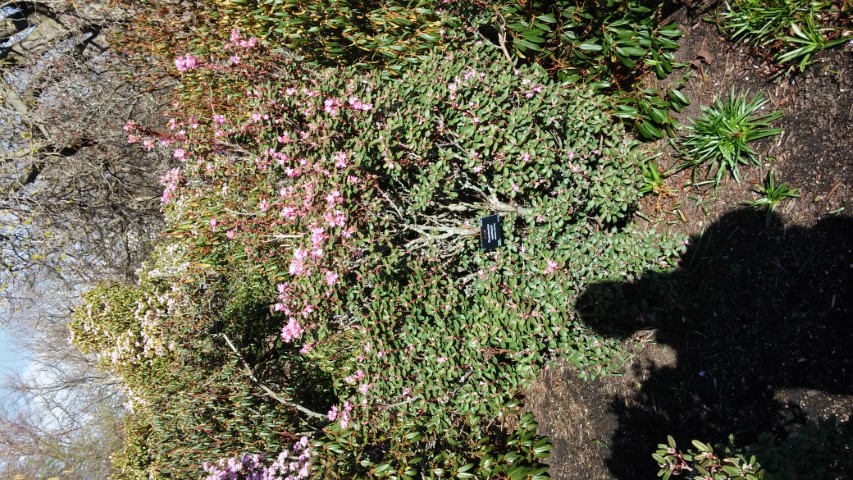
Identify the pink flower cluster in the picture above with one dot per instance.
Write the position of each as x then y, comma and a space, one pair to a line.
238, 41
530, 91
333, 105
357, 104
292, 331
551, 266
352, 379
171, 180
342, 415
293, 464
187, 62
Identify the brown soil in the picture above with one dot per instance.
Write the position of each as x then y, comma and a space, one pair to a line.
753, 332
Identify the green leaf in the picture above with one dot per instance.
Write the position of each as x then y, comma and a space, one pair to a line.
590, 47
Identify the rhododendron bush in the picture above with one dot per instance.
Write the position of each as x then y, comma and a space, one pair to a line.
328, 228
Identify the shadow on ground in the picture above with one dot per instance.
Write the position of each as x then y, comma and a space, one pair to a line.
760, 323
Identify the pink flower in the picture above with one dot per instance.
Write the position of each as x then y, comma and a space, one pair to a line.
336, 219
180, 154
441, 360
288, 212
333, 413
318, 235
331, 278
341, 160
291, 331
187, 62
551, 266
264, 205
330, 105
363, 388
213, 224
357, 104
297, 263
219, 119
333, 198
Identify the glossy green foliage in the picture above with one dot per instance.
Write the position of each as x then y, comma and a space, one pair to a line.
506, 448
726, 463
608, 44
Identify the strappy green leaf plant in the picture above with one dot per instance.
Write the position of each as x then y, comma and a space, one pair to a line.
808, 40
720, 137
771, 195
790, 29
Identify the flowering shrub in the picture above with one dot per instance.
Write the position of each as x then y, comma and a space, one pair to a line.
189, 400
290, 464
329, 223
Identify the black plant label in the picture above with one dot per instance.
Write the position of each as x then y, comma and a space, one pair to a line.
491, 235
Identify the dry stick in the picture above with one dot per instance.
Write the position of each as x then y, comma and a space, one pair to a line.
266, 389
497, 205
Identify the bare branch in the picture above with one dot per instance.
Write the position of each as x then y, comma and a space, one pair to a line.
266, 389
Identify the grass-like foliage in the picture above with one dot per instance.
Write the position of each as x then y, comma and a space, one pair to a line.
807, 39
341, 208
771, 195
790, 29
720, 138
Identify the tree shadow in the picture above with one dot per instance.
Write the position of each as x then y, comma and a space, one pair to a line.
760, 320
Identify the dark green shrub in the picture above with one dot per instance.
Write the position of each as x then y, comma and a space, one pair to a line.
723, 462
818, 450
609, 44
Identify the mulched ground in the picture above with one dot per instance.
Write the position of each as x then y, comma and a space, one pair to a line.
753, 333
